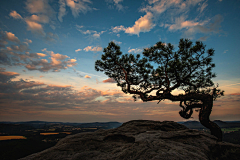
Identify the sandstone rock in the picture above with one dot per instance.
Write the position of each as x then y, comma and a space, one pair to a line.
140, 140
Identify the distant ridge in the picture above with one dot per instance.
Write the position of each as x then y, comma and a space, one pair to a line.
221, 124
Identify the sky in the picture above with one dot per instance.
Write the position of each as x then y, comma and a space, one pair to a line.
48, 50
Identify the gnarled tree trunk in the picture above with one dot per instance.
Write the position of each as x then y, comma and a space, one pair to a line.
204, 114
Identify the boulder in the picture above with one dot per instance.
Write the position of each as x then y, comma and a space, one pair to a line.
140, 140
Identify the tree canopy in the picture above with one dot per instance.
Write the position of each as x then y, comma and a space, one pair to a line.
160, 69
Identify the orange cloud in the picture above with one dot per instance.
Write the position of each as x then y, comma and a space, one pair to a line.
87, 76
15, 15
59, 86
109, 80
58, 56
11, 37
41, 54
41, 18
235, 94
35, 27
10, 73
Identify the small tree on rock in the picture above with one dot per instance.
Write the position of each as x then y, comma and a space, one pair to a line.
159, 70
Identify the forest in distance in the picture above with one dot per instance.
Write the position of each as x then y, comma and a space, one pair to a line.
40, 135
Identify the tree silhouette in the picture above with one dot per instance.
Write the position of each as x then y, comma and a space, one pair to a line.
161, 69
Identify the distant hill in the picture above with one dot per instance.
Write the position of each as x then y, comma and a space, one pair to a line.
221, 124
43, 124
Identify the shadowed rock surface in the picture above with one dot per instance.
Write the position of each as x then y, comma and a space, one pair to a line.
140, 140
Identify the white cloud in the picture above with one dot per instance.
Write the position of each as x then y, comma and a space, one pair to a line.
118, 29
93, 34
94, 49
117, 42
15, 15
78, 50
136, 50
143, 24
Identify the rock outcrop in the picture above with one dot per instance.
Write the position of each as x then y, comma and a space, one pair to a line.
140, 140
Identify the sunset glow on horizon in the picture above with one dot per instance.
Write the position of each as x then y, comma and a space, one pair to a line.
48, 50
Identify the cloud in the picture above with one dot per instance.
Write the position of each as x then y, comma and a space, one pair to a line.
39, 7
7, 76
225, 51
235, 94
25, 97
203, 6
58, 56
11, 37
41, 18
35, 27
93, 49
174, 15
117, 29
115, 3
109, 80
15, 15
27, 41
78, 6
77, 72
77, 50
181, 23
177, 6
51, 37
117, 42
136, 50
143, 24
42, 13
41, 54
93, 34
87, 76
62, 10
204, 38
18, 55
206, 28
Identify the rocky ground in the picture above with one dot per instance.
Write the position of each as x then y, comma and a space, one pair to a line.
140, 140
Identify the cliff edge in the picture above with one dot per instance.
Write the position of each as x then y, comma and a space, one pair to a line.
140, 140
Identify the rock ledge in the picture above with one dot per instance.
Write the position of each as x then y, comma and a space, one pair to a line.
140, 140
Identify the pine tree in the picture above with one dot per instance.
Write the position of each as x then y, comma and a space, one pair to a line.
160, 69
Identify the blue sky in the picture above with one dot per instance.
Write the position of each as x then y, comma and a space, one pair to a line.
48, 49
